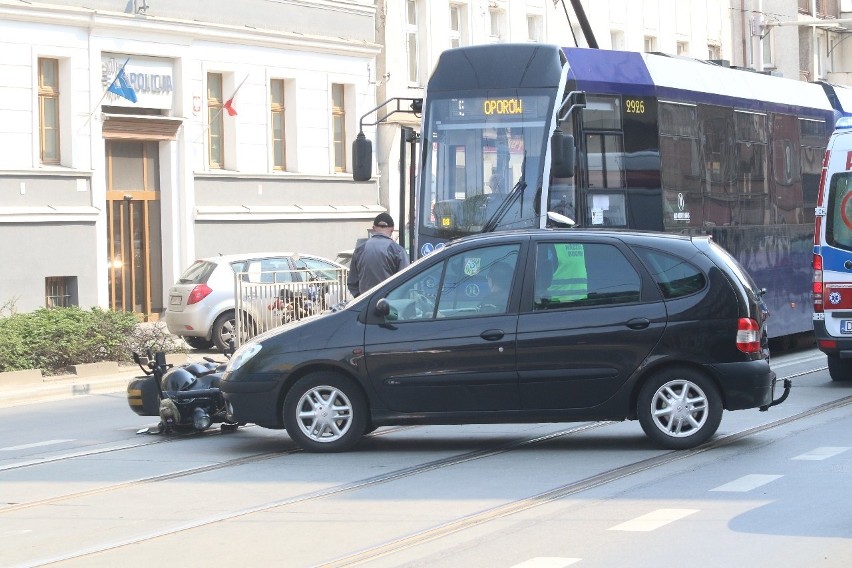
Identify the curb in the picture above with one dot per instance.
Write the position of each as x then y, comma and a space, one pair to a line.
29, 387
65, 387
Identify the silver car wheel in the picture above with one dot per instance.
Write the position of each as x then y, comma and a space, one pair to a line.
324, 414
679, 408
229, 329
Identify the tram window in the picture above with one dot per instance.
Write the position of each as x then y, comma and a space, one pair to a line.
680, 162
812, 132
678, 120
606, 209
717, 129
602, 113
811, 170
786, 164
751, 127
605, 160
838, 229
752, 204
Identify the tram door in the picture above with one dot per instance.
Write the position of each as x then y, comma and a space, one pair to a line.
133, 227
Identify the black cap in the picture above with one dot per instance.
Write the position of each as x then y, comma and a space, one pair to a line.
383, 220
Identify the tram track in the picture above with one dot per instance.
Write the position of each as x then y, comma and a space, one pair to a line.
428, 535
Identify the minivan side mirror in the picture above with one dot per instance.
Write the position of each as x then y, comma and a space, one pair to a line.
382, 308
362, 158
562, 152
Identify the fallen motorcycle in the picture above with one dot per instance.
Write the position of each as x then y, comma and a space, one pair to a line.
186, 398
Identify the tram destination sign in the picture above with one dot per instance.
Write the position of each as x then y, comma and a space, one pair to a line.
498, 107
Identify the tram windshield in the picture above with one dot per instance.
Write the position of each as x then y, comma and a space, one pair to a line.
482, 165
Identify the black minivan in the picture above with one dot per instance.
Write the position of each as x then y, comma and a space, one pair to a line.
522, 326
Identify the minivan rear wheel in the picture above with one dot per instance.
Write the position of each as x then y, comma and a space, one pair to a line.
839, 369
679, 408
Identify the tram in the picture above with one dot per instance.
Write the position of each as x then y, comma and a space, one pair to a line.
528, 135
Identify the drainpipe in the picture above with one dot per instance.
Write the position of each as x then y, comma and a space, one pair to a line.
744, 28
760, 38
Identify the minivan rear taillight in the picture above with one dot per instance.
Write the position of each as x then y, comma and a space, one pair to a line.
748, 336
817, 289
198, 293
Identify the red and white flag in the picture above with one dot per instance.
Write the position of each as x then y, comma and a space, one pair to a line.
229, 104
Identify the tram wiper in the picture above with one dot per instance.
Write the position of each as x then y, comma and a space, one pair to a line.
516, 193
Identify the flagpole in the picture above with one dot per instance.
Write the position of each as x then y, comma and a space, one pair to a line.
106, 91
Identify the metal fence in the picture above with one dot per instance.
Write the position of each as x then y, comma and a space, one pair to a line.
268, 299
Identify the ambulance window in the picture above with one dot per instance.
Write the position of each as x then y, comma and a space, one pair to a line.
838, 230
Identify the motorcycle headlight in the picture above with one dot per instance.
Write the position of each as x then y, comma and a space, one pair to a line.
242, 355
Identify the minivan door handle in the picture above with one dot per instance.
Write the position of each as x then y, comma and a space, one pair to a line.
492, 334
638, 323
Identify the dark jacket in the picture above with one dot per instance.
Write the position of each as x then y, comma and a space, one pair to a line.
373, 261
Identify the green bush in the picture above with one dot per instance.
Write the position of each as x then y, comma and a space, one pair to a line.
52, 339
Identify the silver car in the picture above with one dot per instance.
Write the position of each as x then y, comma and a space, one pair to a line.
202, 306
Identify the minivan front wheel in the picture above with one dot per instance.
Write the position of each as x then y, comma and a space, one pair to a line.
679, 408
325, 412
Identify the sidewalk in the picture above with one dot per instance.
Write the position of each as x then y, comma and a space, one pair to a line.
28, 387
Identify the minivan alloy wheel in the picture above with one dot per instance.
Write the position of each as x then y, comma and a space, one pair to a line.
325, 412
679, 408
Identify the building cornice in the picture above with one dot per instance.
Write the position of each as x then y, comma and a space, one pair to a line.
98, 21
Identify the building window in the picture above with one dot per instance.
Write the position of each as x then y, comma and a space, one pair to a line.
495, 27
616, 37
411, 41
277, 110
767, 50
714, 52
650, 44
683, 48
338, 125
215, 121
60, 291
534, 28
48, 110
455, 26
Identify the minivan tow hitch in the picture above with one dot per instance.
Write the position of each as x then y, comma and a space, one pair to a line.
788, 384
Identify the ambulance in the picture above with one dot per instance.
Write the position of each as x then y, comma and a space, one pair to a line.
832, 261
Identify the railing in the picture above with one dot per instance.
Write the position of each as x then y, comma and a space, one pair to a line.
266, 300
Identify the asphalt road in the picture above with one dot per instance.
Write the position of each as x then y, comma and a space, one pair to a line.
79, 487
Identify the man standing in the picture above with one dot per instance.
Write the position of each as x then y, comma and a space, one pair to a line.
377, 258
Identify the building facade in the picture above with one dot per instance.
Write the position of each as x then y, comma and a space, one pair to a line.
240, 135
138, 136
